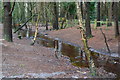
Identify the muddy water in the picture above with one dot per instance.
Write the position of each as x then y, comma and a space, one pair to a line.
77, 56
73, 51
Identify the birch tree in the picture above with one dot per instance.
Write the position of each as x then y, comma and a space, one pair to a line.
84, 40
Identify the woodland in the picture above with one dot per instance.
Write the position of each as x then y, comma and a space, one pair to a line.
72, 40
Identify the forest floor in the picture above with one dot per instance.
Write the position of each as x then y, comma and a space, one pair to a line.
97, 41
20, 59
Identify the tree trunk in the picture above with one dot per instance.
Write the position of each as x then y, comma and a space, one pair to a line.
22, 12
110, 13
115, 13
55, 23
46, 17
7, 30
98, 13
116, 28
81, 6
84, 40
119, 45
87, 20
46, 25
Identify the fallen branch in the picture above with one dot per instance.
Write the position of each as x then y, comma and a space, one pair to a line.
24, 24
105, 41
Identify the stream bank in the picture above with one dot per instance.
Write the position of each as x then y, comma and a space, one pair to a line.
21, 59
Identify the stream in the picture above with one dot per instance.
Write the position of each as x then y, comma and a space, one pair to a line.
110, 62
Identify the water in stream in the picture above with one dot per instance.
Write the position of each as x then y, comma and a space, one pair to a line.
74, 52
77, 58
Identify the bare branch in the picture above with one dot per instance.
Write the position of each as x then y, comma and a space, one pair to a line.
105, 41
10, 13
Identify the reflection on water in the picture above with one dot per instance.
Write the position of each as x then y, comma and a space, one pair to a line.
77, 56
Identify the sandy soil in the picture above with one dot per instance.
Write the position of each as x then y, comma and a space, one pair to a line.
20, 59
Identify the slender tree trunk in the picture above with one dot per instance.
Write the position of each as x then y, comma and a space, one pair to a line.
55, 23
22, 12
84, 40
46, 15
46, 20
87, 20
62, 27
29, 10
7, 30
119, 45
46, 25
81, 6
98, 13
116, 28
110, 13
115, 13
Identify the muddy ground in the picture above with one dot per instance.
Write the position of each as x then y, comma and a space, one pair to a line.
20, 59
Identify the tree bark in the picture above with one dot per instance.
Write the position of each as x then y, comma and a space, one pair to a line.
46, 16
115, 13
81, 6
7, 30
110, 13
22, 12
55, 23
46, 25
87, 20
119, 45
98, 13
84, 40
